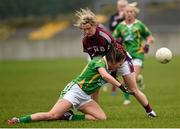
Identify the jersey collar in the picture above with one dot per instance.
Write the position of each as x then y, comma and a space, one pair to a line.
135, 21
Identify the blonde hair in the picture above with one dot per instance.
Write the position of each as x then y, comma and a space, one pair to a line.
134, 7
85, 16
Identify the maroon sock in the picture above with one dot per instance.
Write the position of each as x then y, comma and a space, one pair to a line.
148, 108
113, 89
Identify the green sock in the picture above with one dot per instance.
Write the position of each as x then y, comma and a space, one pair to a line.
25, 119
126, 95
78, 117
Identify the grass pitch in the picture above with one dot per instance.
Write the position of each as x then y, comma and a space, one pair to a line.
31, 86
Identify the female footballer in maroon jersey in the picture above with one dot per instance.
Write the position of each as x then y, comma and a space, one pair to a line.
96, 42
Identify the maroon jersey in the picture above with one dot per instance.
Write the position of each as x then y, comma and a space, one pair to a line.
98, 44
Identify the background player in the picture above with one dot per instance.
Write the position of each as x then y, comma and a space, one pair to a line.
118, 17
115, 19
134, 32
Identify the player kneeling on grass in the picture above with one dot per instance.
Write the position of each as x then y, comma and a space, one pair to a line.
78, 92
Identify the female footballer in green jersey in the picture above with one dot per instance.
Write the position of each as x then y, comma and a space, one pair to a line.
134, 33
78, 92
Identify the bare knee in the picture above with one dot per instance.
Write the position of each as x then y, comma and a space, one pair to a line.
104, 117
135, 91
97, 117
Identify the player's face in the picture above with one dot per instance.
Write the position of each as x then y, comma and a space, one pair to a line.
121, 6
88, 29
129, 13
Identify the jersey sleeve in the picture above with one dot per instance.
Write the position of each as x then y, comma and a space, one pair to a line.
116, 33
145, 30
99, 64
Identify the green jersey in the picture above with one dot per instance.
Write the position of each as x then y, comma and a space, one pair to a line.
90, 80
133, 36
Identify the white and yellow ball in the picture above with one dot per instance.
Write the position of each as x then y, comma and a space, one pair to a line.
163, 55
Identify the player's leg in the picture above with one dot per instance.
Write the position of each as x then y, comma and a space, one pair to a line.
127, 100
113, 90
61, 106
95, 96
55, 113
140, 82
82, 101
131, 82
137, 69
93, 111
139, 77
124, 70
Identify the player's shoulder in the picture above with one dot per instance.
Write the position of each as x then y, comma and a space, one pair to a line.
104, 34
121, 24
98, 59
137, 21
140, 24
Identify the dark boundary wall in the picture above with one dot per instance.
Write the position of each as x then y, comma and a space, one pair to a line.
25, 8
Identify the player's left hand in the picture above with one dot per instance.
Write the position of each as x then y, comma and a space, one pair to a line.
146, 48
125, 89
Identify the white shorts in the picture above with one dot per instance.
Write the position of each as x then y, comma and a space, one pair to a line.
137, 62
75, 95
126, 68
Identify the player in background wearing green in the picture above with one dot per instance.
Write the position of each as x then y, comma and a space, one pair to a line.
134, 33
78, 92
114, 20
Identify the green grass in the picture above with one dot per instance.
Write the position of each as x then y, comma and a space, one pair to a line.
31, 86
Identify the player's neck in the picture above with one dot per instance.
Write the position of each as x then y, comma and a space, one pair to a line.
130, 21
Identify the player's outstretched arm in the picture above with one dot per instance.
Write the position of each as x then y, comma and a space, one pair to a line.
106, 76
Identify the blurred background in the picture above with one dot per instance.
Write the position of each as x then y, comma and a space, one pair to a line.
32, 29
